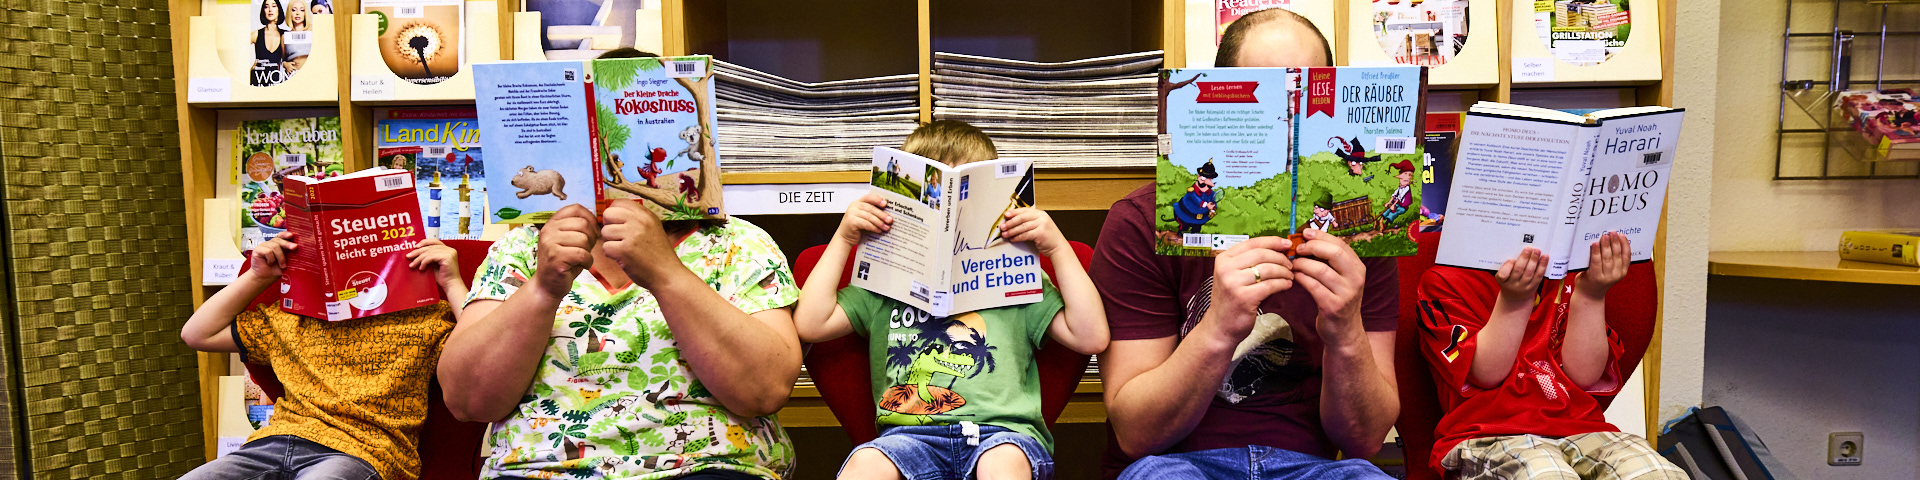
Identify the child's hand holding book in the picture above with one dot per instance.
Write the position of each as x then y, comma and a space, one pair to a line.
1029, 224
270, 257
1611, 255
866, 215
445, 262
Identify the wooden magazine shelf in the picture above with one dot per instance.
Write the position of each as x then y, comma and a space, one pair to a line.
815, 40
1823, 266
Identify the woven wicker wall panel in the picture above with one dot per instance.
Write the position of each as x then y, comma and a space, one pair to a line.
98, 242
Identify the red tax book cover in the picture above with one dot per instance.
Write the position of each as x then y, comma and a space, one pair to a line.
354, 233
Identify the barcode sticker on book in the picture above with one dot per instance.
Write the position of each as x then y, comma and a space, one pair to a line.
942, 301
300, 37
686, 68
289, 160
570, 75
1393, 144
1652, 159
407, 11
1196, 240
1007, 170
436, 150
920, 291
393, 182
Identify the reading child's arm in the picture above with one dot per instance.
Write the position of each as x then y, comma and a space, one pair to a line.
1082, 325
210, 327
1506, 328
446, 270
819, 317
1584, 354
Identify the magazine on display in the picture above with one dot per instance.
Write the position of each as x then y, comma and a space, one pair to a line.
441, 146
590, 132
266, 41
584, 29
421, 41
1249, 152
355, 231
1557, 181
944, 254
264, 153
1442, 145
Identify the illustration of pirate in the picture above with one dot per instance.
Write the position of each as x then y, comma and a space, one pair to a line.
1354, 154
1198, 206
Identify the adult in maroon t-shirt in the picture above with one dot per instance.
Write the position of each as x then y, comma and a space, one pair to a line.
1318, 382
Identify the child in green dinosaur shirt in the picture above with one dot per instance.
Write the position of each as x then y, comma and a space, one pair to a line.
968, 379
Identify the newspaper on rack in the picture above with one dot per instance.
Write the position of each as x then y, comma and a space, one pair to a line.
1094, 112
770, 123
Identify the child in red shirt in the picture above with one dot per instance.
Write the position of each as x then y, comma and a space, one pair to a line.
1518, 368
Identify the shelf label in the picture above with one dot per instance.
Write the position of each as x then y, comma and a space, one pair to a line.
1532, 70
371, 87
221, 271
788, 199
209, 89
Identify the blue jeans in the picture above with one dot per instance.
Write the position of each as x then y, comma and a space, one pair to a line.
284, 457
941, 452
1253, 462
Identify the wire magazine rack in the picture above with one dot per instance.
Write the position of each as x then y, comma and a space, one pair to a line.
1831, 55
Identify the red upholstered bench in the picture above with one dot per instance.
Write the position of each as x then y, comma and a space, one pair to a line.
840, 370
1631, 308
449, 448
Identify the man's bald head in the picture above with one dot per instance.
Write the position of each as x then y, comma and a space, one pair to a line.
1273, 37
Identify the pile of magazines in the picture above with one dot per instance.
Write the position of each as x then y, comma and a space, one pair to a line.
769, 123
1096, 112
1889, 120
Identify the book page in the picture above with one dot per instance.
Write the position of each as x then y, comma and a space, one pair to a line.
532, 114
906, 262
988, 271
1360, 156
1223, 173
1628, 184
1508, 177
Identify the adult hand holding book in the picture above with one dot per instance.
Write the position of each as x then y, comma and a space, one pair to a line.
1245, 275
1332, 273
638, 243
566, 248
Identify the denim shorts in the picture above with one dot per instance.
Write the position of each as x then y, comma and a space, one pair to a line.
947, 452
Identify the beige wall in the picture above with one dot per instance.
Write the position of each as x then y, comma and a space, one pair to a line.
1683, 307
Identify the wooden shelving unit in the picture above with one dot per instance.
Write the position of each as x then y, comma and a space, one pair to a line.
815, 40
1812, 266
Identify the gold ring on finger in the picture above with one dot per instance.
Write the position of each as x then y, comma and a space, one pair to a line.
1256, 273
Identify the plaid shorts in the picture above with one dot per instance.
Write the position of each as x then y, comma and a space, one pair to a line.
1587, 456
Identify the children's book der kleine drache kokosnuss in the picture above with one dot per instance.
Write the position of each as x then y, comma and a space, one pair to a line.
1249, 152
590, 132
944, 254
1556, 181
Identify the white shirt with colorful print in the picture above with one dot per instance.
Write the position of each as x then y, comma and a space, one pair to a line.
613, 398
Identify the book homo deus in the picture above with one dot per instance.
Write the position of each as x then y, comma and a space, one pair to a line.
354, 232
1248, 152
1552, 180
944, 254
590, 132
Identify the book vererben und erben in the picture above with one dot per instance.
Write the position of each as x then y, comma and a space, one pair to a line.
944, 254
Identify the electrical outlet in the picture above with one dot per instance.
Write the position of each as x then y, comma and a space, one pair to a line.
1845, 448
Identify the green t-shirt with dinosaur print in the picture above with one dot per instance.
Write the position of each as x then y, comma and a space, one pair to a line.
971, 367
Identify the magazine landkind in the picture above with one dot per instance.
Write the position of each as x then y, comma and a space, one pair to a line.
590, 132
1248, 152
944, 254
441, 146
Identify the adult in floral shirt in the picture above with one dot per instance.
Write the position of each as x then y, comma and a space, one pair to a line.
624, 349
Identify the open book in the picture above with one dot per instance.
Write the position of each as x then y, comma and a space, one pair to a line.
944, 254
589, 132
354, 233
1249, 152
1557, 181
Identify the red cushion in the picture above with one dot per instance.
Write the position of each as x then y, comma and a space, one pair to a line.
449, 448
841, 371
1631, 308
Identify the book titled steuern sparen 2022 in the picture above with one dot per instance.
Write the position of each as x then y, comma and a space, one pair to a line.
354, 232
